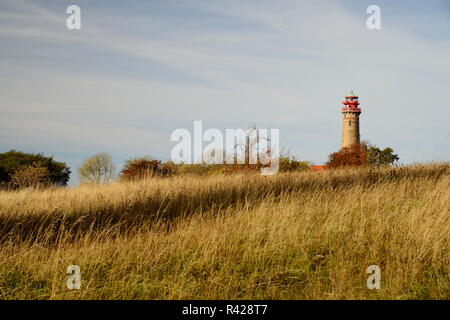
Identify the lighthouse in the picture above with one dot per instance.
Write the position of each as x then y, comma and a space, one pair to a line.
350, 121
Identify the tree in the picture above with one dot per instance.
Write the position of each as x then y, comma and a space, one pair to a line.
30, 176
377, 157
11, 161
353, 156
361, 155
97, 169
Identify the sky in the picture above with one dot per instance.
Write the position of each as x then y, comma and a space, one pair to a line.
138, 70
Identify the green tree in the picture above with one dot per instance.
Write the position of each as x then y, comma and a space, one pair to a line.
377, 157
12, 161
97, 169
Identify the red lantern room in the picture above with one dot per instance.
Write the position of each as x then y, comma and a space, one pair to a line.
351, 103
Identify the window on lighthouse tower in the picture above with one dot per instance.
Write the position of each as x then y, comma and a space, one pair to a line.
349, 123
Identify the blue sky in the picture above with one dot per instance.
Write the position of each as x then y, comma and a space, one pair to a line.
137, 70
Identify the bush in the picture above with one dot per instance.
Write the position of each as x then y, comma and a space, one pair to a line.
141, 168
354, 156
30, 176
288, 164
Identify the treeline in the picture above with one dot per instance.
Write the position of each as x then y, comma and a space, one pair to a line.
23, 170
100, 168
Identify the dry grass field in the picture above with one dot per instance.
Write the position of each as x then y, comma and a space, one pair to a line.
290, 236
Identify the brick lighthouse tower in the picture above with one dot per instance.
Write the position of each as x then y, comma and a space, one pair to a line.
350, 121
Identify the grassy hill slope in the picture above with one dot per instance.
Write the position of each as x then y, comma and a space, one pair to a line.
288, 236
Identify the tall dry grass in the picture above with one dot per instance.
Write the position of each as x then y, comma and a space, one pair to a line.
289, 236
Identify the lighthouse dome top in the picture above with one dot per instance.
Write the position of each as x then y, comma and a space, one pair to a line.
351, 95
351, 104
